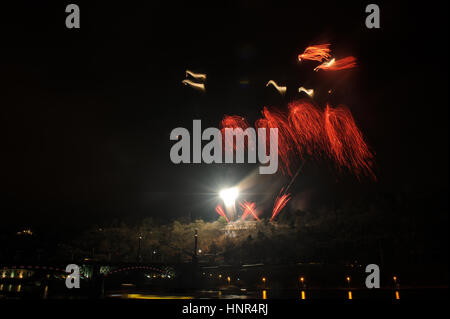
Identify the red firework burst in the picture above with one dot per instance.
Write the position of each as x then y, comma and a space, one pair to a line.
307, 122
336, 65
346, 142
249, 208
221, 212
317, 52
280, 202
286, 145
233, 121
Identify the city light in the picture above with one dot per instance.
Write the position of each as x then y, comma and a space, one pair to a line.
25, 232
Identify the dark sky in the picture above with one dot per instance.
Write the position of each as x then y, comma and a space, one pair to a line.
86, 114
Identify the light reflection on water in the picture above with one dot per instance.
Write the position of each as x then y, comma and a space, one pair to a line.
303, 295
211, 294
20, 290
45, 295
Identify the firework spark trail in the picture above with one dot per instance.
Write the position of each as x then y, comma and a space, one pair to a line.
280, 202
310, 92
234, 121
295, 177
221, 212
197, 86
336, 65
249, 208
280, 89
346, 142
286, 145
317, 52
197, 76
246, 210
307, 122
245, 213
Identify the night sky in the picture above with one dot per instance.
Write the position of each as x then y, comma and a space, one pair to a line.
86, 114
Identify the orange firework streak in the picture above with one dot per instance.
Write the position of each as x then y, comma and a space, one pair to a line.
317, 52
280, 202
307, 122
233, 121
346, 142
336, 65
221, 212
286, 144
249, 208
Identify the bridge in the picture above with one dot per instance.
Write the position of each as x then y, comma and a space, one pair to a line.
91, 269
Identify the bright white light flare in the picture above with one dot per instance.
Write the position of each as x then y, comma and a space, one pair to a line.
229, 195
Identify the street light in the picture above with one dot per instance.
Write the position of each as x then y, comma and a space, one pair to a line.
196, 250
350, 295
139, 257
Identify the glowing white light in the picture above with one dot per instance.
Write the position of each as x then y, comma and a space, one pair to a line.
229, 195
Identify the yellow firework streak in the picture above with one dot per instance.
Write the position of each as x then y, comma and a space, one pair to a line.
194, 85
197, 76
310, 92
280, 89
